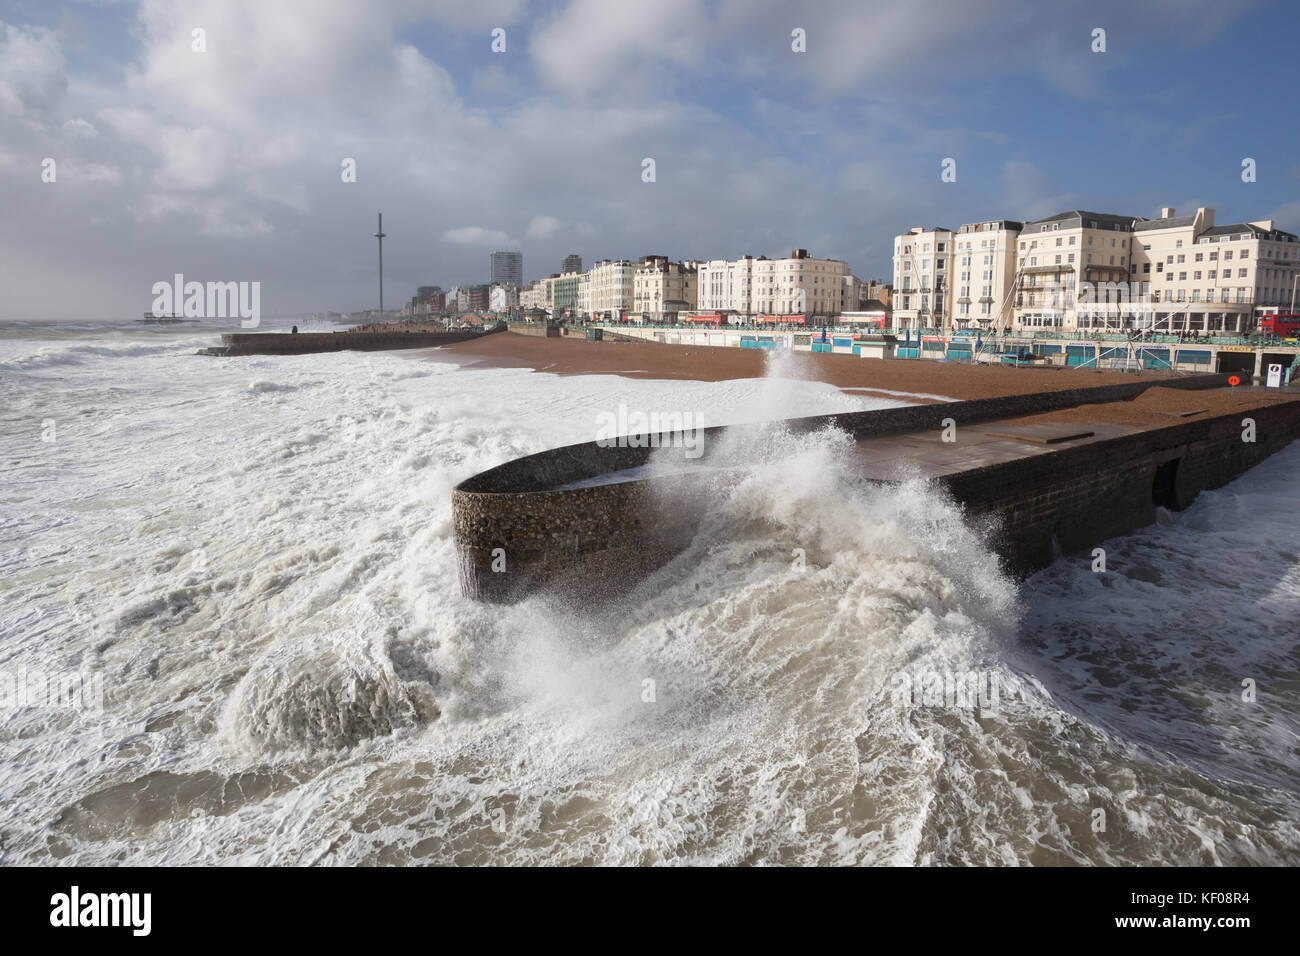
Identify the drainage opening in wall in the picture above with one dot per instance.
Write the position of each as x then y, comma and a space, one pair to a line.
1163, 491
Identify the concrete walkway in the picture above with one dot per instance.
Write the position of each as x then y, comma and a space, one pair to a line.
927, 455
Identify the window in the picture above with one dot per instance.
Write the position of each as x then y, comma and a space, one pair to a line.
1072, 238
1182, 259
1146, 268
1178, 244
1058, 260
1245, 253
1200, 256
1227, 255
1071, 257
1196, 275
1213, 274
1169, 260
1241, 273
1182, 277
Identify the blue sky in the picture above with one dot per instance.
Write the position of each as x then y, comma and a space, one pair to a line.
225, 165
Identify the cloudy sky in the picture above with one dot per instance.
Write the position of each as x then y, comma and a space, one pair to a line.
226, 164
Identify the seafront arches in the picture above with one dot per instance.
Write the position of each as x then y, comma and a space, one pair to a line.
1241, 362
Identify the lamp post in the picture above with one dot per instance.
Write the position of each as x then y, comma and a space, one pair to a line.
1294, 280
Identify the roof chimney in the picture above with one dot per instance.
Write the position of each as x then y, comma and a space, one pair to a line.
1166, 212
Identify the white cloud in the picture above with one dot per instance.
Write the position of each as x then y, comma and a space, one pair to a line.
542, 227
591, 44
79, 127
31, 71
477, 236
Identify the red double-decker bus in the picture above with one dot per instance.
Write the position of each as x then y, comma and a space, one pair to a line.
1283, 325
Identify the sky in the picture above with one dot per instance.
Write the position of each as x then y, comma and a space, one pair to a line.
227, 163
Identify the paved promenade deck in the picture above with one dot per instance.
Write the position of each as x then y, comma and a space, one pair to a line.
925, 454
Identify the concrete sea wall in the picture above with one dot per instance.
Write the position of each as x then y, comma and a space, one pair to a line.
538, 330
517, 532
301, 343
1047, 505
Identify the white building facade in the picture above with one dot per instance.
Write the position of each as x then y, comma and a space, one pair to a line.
923, 258
610, 287
985, 272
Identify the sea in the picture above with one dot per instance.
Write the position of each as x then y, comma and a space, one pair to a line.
231, 632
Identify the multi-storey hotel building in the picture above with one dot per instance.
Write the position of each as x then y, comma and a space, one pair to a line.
1080, 270
1203, 277
661, 288
610, 287
798, 285
922, 265
1058, 254
560, 292
723, 285
985, 269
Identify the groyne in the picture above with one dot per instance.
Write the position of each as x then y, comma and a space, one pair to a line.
580, 521
301, 343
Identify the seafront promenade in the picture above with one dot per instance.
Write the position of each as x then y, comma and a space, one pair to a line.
1246, 356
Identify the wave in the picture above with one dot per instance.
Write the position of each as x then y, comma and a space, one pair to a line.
85, 353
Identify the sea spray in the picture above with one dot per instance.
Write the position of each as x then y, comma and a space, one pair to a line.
324, 691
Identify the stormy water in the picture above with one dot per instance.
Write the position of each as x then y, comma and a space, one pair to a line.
240, 574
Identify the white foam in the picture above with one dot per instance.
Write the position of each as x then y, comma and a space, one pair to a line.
266, 579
